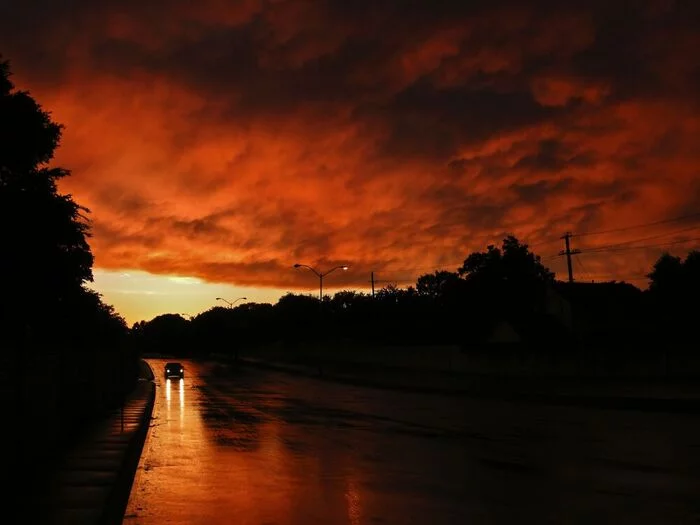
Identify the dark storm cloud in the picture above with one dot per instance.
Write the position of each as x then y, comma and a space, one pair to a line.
535, 192
553, 155
257, 132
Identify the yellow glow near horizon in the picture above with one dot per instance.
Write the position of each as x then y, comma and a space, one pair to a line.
141, 296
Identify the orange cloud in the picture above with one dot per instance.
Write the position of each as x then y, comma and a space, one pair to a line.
228, 141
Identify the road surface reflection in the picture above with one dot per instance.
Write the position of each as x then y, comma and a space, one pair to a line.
243, 446
180, 386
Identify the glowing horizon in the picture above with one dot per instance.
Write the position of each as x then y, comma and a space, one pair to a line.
141, 296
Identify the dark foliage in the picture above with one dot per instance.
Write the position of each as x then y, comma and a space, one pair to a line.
674, 292
45, 258
54, 331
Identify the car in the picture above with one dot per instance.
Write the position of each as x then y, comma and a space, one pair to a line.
174, 369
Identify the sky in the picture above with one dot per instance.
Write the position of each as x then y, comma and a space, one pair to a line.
217, 143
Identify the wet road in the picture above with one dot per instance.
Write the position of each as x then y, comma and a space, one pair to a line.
247, 446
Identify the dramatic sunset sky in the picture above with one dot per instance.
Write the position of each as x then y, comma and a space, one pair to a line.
218, 142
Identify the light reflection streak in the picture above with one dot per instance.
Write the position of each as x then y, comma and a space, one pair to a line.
352, 495
181, 385
168, 395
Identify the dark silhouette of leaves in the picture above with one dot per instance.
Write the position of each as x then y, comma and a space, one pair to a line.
45, 258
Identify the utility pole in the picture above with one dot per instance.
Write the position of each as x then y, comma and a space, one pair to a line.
372, 284
569, 252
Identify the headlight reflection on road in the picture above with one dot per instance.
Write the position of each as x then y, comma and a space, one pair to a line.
169, 398
352, 496
181, 385
168, 395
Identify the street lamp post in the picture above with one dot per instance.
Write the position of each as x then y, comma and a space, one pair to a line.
320, 276
229, 303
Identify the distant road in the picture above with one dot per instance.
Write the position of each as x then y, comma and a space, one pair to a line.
257, 447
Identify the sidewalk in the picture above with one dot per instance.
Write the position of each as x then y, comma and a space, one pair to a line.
93, 480
629, 394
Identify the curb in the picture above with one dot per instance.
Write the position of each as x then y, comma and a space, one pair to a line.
119, 496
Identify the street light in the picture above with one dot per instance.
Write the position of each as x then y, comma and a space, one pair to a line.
320, 275
230, 304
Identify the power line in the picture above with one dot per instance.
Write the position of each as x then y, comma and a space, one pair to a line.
581, 264
541, 243
621, 249
642, 247
649, 238
637, 226
621, 246
578, 260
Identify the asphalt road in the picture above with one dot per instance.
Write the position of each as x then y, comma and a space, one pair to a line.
248, 446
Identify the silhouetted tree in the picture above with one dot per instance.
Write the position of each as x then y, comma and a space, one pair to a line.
513, 263
254, 324
390, 293
167, 334
435, 285
45, 307
673, 290
45, 258
298, 318
100, 323
351, 315
504, 283
667, 274
347, 299
691, 269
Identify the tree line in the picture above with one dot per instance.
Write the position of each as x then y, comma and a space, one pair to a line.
502, 284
